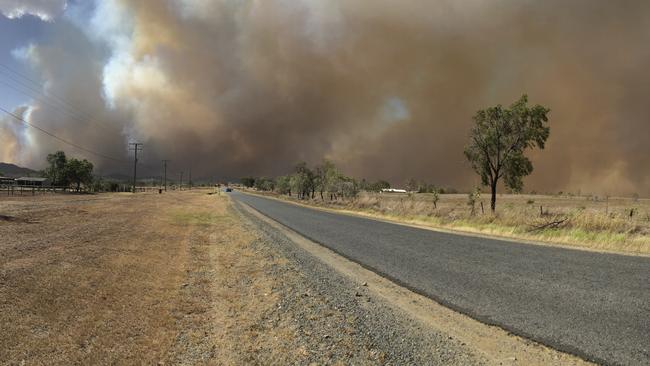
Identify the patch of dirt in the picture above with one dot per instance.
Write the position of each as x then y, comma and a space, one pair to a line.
11, 219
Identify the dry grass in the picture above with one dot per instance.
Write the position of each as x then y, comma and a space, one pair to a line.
587, 222
135, 279
88, 279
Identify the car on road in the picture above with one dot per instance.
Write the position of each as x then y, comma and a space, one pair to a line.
228, 189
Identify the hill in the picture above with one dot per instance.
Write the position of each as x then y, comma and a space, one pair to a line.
15, 171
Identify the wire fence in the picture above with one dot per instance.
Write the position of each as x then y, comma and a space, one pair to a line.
33, 190
14, 189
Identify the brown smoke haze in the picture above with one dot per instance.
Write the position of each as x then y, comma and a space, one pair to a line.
384, 88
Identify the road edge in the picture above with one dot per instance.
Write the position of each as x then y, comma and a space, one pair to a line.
471, 234
488, 338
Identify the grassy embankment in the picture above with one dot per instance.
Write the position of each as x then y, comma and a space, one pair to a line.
587, 222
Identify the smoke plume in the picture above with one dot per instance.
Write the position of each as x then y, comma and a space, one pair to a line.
384, 88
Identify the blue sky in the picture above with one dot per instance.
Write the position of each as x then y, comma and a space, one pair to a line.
26, 22
16, 34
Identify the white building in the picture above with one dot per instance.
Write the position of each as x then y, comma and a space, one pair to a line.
393, 190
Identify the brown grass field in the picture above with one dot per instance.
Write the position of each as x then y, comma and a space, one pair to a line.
613, 224
134, 279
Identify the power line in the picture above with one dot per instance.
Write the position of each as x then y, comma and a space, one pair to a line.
68, 110
38, 85
61, 106
35, 89
59, 138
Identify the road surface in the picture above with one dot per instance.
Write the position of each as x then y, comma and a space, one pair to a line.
594, 305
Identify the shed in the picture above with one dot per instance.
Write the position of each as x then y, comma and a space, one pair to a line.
32, 181
6, 181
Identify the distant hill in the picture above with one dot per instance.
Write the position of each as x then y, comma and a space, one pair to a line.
15, 171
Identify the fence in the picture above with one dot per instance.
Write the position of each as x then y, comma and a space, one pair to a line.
14, 189
32, 190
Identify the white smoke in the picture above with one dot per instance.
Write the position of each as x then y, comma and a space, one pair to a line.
46, 10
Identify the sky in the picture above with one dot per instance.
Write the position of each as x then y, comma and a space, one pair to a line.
385, 89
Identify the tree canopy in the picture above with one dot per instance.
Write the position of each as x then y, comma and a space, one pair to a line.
498, 140
79, 172
63, 171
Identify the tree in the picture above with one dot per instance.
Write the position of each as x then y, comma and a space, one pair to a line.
379, 185
427, 188
473, 197
56, 171
345, 187
302, 181
79, 172
498, 140
435, 197
412, 185
264, 184
283, 185
248, 182
325, 177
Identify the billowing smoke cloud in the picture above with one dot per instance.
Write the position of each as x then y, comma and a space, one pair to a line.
386, 89
44, 9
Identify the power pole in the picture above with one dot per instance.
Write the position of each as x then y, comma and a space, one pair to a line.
165, 167
136, 147
180, 187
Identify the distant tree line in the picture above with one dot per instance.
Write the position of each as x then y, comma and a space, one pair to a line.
324, 181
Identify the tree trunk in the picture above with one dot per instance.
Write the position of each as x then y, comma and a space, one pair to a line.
493, 201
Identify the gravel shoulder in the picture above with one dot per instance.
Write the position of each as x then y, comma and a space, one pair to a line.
339, 321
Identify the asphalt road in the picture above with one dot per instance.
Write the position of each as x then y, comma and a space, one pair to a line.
594, 305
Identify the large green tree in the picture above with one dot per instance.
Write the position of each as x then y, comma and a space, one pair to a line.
248, 182
56, 170
283, 185
325, 176
63, 171
302, 181
498, 140
79, 172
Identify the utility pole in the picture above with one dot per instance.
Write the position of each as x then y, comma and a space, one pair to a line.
165, 167
190, 179
137, 146
180, 187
